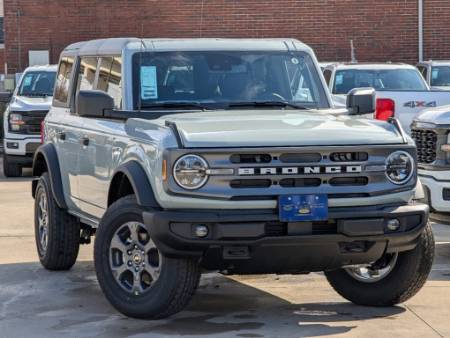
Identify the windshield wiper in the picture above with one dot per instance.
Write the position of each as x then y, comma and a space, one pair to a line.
282, 104
35, 94
186, 105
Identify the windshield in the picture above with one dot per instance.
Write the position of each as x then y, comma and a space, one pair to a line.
387, 79
221, 79
440, 76
37, 83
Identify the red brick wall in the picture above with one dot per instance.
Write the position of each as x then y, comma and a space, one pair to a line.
437, 29
382, 30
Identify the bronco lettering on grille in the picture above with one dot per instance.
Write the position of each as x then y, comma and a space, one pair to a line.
300, 170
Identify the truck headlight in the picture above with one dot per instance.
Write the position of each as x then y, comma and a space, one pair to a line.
399, 167
15, 121
189, 172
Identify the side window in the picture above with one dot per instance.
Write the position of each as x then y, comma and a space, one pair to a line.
327, 75
110, 78
86, 73
63, 80
423, 70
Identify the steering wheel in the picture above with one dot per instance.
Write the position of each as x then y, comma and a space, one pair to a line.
278, 96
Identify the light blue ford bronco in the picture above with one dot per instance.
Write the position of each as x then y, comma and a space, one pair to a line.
228, 155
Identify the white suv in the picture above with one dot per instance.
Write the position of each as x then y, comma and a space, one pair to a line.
30, 103
223, 154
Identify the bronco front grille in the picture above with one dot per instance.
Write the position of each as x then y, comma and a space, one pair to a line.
426, 141
249, 174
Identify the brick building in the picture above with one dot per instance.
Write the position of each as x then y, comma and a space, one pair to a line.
381, 30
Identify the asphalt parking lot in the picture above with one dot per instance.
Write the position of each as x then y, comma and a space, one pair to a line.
38, 303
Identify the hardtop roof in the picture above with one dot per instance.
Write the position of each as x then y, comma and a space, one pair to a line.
115, 46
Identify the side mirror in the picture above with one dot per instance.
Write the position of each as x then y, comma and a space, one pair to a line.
361, 101
93, 103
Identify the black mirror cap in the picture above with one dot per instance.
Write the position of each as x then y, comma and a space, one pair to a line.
361, 101
93, 103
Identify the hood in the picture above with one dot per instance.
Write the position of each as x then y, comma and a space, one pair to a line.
24, 103
440, 115
249, 128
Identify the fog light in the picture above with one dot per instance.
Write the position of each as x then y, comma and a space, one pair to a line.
201, 230
12, 145
393, 224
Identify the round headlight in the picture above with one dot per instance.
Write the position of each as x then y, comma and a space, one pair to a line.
189, 172
399, 167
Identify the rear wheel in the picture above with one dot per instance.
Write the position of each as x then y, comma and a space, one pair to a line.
11, 169
57, 233
135, 277
392, 279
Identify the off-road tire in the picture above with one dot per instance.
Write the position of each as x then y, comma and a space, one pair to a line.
11, 169
170, 293
405, 279
63, 231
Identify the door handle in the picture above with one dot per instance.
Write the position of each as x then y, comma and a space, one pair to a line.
62, 136
85, 141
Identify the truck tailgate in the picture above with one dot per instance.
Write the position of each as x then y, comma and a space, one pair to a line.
409, 103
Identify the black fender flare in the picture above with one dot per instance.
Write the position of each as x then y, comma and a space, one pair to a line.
140, 183
47, 153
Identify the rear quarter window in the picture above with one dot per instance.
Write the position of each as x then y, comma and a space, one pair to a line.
62, 85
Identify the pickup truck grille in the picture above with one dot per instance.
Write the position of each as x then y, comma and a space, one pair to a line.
32, 121
426, 141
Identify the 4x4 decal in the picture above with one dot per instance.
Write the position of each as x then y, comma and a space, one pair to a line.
424, 104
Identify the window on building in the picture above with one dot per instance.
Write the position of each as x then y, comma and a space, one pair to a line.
86, 73
109, 78
63, 80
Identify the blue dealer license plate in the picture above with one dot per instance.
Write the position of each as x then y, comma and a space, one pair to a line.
296, 208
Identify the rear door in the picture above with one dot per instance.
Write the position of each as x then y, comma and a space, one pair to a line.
96, 159
63, 129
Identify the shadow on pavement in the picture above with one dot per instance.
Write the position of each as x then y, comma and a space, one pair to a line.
53, 304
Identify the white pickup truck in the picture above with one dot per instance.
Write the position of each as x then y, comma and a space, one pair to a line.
22, 119
436, 73
431, 132
401, 90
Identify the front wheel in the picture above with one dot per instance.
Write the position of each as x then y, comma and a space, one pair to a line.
135, 277
57, 232
393, 279
11, 169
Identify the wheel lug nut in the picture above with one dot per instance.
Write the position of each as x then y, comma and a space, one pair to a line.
136, 247
129, 252
129, 263
143, 252
136, 269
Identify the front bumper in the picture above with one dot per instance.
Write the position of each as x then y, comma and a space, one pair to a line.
434, 183
21, 147
257, 242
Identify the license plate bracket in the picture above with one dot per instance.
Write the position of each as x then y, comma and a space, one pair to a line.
297, 208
